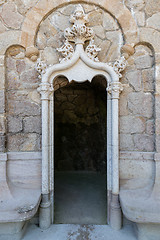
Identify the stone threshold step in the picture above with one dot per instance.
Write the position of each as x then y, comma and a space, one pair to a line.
81, 232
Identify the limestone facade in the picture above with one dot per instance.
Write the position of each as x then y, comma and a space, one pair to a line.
31, 30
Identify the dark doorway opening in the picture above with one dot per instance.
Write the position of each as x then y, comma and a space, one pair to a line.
80, 153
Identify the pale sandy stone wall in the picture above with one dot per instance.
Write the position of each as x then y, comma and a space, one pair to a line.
140, 100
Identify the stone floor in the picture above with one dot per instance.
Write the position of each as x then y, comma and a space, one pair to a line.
80, 198
79, 232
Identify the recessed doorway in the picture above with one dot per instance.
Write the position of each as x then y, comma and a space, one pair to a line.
80, 179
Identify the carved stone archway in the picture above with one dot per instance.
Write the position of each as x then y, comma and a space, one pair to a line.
80, 65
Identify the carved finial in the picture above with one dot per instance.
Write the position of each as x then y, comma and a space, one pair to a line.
79, 33
79, 14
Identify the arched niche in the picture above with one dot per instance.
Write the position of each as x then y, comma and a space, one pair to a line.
80, 64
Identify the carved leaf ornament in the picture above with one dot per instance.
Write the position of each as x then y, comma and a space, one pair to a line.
78, 34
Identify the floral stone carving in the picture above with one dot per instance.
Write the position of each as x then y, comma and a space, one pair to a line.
66, 50
79, 34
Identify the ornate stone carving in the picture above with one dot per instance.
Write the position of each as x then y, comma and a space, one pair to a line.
119, 65
79, 33
41, 67
92, 51
115, 88
45, 89
66, 50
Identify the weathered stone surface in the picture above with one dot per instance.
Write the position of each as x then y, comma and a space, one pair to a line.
154, 21
95, 18
105, 47
51, 55
158, 143
2, 143
131, 124
20, 104
2, 28
126, 142
148, 80
144, 142
152, 6
136, 4
59, 21
56, 40
2, 125
141, 104
144, 62
32, 124
68, 10
2, 78
2, 2
10, 16
157, 103
134, 79
34, 96
150, 35
99, 32
109, 23
41, 40
14, 124
150, 127
140, 18
48, 28
124, 100
30, 79
10, 64
20, 66
24, 142
2, 101
13, 81
25, 5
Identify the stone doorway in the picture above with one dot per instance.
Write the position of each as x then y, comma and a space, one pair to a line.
80, 153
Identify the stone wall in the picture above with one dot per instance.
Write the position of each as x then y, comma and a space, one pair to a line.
20, 108
22, 103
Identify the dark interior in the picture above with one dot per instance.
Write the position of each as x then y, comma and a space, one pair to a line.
80, 153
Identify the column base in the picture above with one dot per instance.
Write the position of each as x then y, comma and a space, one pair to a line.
115, 213
45, 212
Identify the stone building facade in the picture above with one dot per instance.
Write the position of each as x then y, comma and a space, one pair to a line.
32, 33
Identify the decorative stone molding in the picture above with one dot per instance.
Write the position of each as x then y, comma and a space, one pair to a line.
115, 88
119, 65
80, 65
92, 51
45, 89
41, 67
66, 50
118, 10
79, 33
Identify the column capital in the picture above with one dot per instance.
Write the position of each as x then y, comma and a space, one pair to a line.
45, 89
115, 88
